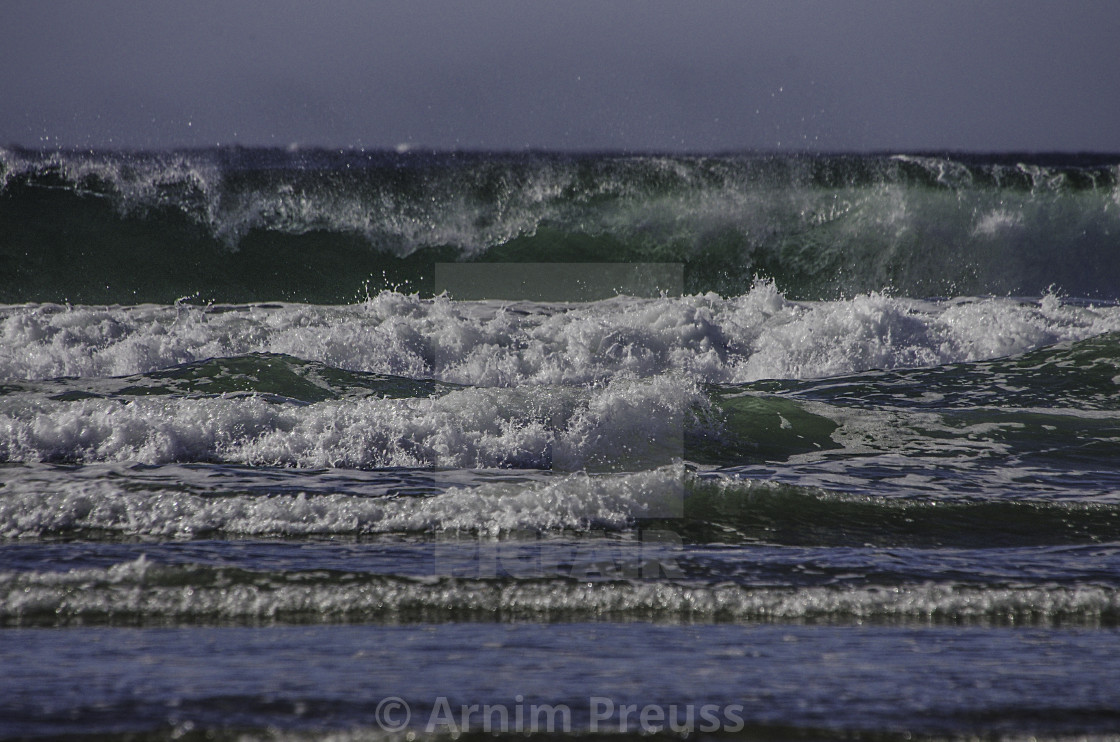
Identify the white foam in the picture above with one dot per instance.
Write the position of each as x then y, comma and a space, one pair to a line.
628, 423
710, 339
996, 221
142, 590
565, 502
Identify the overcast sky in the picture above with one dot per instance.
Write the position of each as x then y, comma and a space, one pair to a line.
693, 75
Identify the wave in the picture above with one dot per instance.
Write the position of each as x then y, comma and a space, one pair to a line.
751, 511
572, 502
142, 592
758, 335
684, 506
627, 424
236, 225
1029, 418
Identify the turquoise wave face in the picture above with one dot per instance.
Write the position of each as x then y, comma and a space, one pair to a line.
331, 227
1058, 402
273, 376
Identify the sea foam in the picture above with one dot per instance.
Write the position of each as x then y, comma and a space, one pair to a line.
575, 501
143, 591
711, 339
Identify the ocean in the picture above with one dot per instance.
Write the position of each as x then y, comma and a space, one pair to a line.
303, 444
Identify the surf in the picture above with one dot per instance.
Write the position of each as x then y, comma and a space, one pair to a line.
330, 226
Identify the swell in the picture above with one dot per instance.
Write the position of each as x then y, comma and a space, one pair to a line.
329, 227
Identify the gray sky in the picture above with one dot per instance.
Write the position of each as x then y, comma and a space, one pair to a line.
509, 74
